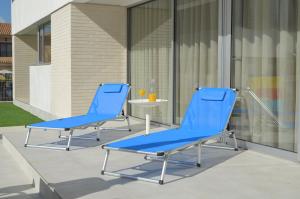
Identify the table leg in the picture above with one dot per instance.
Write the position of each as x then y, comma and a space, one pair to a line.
147, 124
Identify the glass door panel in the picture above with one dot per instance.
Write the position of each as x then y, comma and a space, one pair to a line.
150, 48
265, 67
196, 49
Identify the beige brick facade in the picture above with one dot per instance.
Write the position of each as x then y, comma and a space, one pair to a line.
24, 55
98, 50
61, 62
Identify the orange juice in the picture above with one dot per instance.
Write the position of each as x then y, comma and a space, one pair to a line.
152, 97
142, 92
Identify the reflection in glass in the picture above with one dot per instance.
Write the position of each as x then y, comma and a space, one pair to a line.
197, 49
45, 43
265, 67
150, 48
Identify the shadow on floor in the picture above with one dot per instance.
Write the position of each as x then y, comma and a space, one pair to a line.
105, 136
211, 157
82, 187
18, 192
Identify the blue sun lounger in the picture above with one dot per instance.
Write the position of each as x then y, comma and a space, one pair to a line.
206, 117
107, 105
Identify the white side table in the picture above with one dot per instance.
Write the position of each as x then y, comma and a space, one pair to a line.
146, 104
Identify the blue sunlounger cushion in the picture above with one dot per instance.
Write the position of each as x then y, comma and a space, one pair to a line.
162, 141
72, 122
112, 88
214, 95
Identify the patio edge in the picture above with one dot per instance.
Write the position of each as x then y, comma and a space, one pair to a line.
39, 183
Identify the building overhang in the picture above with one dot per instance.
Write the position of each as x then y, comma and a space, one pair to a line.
30, 12
125, 3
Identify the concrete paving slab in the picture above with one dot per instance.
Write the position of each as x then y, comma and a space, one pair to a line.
14, 184
224, 174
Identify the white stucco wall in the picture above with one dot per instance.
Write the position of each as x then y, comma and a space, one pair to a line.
27, 12
40, 87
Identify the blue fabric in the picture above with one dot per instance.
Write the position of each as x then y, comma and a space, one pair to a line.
203, 119
212, 95
203, 114
159, 142
105, 106
112, 88
109, 103
72, 122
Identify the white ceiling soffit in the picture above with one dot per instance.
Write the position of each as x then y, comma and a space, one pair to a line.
113, 2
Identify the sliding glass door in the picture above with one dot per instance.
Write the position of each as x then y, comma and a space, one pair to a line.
178, 45
151, 57
150, 48
266, 68
196, 49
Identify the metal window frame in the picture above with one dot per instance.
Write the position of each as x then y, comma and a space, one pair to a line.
224, 43
172, 72
128, 105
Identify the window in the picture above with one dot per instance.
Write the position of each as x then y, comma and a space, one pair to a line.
196, 48
265, 68
5, 49
6, 87
151, 27
150, 50
44, 39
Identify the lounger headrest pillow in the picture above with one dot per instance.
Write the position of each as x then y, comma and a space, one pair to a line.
111, 88
214, 95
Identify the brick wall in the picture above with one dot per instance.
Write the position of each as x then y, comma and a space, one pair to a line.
61, 62
98, 50
24, 55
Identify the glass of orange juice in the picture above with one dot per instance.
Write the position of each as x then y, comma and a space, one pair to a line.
142, 92
152, 97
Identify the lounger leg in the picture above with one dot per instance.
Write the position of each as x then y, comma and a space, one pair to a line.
235, 141
98, 133
27, 137
69, 140
199, 155
59, 134
161, 181
128, 122
105, 162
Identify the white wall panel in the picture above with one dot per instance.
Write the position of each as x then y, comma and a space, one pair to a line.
40, 87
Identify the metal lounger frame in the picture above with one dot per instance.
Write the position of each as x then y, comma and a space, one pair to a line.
97, 126
165, 157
